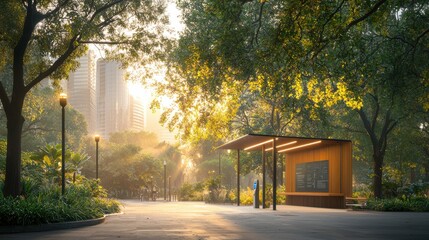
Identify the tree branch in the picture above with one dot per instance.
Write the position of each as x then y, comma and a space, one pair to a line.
366, 15
259, 21
55, 10
70, 49
421, 36
347, 28
103, 42
329, 19
107, 6
367, 126
377, 110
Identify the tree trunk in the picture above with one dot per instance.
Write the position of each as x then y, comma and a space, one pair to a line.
378, 175
15, 121
426, 167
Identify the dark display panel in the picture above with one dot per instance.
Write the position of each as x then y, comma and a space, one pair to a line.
312, 176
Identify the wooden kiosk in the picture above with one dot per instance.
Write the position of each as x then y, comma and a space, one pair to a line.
318, 172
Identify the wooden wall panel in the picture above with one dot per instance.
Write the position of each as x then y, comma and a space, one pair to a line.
347, 169
340, 168
317, 201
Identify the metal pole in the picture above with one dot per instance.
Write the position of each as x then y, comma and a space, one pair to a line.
219, 163
165, 180
263, 176
220, 174
63, 151
274, 175
169, 188
238, 177
96, 160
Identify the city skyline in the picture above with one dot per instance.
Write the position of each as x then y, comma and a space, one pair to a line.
115, 104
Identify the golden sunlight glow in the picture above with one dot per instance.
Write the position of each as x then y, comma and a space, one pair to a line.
300, 146
137, 91
259, 144
279, 146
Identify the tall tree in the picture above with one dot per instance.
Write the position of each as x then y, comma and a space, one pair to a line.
43, 119
40, 39
364, 56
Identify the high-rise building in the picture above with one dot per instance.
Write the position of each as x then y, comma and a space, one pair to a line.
81, 89
113, 98
137, 116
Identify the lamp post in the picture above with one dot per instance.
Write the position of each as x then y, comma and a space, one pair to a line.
169, 188
63, 103
165, 180
97, 139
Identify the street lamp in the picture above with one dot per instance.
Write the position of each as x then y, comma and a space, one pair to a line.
63, 103
97, 139
165, 180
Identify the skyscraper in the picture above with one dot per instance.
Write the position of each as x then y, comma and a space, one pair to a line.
81, 89
137, 116
113, 98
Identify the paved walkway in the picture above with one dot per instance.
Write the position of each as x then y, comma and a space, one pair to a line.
196, 220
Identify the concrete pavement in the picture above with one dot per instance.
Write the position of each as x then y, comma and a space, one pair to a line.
196, 220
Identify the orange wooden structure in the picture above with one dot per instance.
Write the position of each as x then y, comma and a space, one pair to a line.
318, 171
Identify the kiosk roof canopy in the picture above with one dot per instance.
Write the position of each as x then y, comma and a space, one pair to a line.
253, 142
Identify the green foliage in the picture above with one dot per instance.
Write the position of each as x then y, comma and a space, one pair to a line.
246, 196
414, 204
49, 45
131, 163
44, 165
362, 191
42, 124
419, 189
213, 189
191, 192
3, 145
46, 205
281, 197
214, 192
276, 67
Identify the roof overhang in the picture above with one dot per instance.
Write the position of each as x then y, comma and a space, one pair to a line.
284, 144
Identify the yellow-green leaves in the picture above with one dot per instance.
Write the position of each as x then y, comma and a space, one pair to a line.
328, 93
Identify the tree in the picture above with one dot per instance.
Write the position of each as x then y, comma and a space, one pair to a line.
43, 121
41, 39
365, 57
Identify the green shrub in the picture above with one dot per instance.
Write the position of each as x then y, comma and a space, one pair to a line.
413, 204
418, 189
281, 197
47, 205
212, 190
246, 196
191, 192
362, 191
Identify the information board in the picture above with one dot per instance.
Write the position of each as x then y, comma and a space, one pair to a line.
312, 176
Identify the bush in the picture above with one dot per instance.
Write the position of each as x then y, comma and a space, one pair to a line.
246, 196
413, 204
213, 191
362, 191
191, 192
47, 205
418, 189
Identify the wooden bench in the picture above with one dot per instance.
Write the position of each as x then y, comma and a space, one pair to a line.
356, 201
